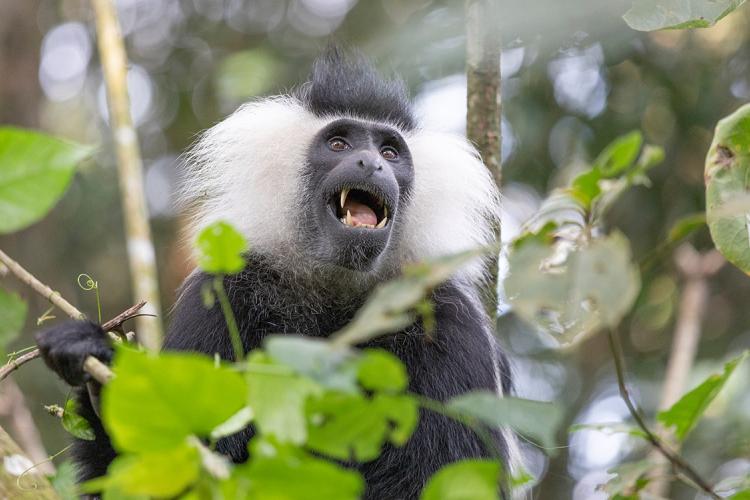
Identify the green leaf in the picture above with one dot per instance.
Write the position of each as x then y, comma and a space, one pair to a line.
380, 370
64, 481
652, 15
465, 480
277, 396
392, 306
156, 402
585, 187
538, 420
727, 176
284, 472
741, 495
348, 426
332, 366
685, 226
569, 292
76, 424
163, 473
685, 413
220, 249
12, 317
35, 170
619, 155
629, 478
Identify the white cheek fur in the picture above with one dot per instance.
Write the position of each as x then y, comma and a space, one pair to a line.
246, 170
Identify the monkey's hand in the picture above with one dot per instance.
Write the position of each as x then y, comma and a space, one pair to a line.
66, 346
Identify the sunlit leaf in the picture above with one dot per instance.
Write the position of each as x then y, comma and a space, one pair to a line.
537, 420
391, 307
727, 175
381, 371
220, 249
163, 473
651, 15
685, 413
465, 480
12, 317
35, 170
277, 397
619, 155
572, 292
156, 402
349, 426
332, 366
76, 424
279, 472
629, 478
233, 424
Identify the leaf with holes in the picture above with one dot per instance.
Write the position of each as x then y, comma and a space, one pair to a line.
727, 175
35, 170
652, 15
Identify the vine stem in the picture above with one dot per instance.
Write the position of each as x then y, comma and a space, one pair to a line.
226, 309
674, 458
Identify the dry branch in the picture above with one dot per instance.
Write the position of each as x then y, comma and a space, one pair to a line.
141, 253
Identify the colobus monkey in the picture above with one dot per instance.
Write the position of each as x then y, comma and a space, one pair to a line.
337, 188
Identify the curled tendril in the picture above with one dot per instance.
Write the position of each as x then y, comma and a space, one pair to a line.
88, 283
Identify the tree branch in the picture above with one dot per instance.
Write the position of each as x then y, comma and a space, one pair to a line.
92, 366
141, 253
675, 459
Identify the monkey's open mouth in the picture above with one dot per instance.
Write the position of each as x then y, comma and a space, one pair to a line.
360, 208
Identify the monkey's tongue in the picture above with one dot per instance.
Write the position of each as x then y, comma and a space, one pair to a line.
361, 213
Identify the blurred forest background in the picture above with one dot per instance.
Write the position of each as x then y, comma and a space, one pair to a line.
574, 77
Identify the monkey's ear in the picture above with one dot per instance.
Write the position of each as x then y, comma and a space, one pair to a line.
65, 346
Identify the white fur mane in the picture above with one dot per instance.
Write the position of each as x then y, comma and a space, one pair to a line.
246, 170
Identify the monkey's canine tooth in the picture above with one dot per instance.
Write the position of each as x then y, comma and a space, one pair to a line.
349, 221
344, 194
381, 224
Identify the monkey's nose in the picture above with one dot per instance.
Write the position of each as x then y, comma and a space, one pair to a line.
370, 164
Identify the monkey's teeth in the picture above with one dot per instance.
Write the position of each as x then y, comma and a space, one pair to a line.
381, 224
385, 212
349, 221
344, 194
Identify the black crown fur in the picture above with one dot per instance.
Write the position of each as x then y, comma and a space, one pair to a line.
347, 83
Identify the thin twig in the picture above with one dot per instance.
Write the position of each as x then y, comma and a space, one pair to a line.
675, 459
111, 325
141, 253
54, 297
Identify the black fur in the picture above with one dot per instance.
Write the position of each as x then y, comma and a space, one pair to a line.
343, 83
456, 359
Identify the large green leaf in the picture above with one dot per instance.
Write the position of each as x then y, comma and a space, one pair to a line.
536, 419
160, 474
572, 292
220, 249
35, 170
727, 175
277, 397
651, 15
465, 480
75, 423
350, 426
685, 413
156, 402
280, 472
12, 317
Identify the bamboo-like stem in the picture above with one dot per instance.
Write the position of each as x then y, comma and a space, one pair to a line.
696, 269
54, 297
670, 455
141, 253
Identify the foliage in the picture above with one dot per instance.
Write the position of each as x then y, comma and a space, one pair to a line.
651, 15
13, 314
36, 170
728, 188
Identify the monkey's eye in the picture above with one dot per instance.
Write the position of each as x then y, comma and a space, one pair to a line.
388, 153
337, 144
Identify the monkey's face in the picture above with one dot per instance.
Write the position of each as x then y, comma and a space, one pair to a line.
356, 181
